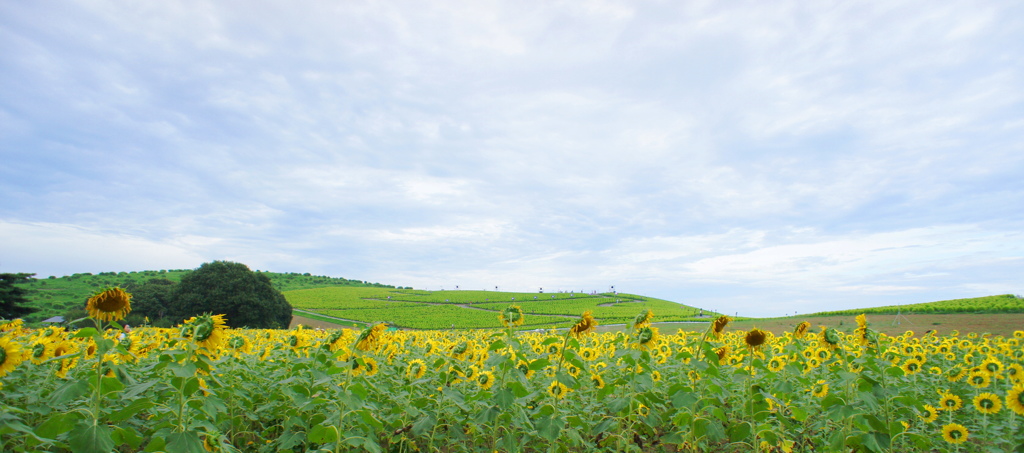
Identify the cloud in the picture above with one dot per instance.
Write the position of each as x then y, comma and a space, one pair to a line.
732, 154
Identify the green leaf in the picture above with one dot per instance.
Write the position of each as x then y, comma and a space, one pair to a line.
504, 398
70, 391
186, 442
87, 437
423, 425
323, 434
739, 431
126, 436
188, 369
85, 332
550, 427
131, 409
58, 424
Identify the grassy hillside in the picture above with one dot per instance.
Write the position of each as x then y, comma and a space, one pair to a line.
56, 295
1006, 303
478, 309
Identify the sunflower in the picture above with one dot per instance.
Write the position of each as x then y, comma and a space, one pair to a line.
987, 403
511, 316
647, 337
597, 380
643, 319
1015, 373
416, 369
588, 354
40, 351
558, 389
370, 336
950, 402
912, 366
776, 364
485, 379
862, 320
830, 337
820, 389
10, 355
719, 325
1015, 399
111, 304
206, 330
370, 366
755, 338
992, 365
801, 329
524, 367
929, 413
656, 376
979, 379
723, 355
955, 433
585, 325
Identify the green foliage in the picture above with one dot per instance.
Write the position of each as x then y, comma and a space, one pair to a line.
246, 298
14, 298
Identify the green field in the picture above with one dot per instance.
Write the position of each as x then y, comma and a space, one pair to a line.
418, 309
1005, 303
54, 296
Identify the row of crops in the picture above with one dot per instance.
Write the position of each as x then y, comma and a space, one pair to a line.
203, 387
477, 309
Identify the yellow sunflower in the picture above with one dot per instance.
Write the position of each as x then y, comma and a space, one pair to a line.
776, 364
558, 389
987, 403
801, 329
485, 379
111, 304
647, 337
207, 331
10, 355
979, 379
597, 380
1015, 399
820, 389
912, 366
950, 402
585, 325
511, 316
643, 319
370, 337
416, 369
955, 433
929, 413
1015, 373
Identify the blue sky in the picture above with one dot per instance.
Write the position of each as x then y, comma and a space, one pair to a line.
759, 158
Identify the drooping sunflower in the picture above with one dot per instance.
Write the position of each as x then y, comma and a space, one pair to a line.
558, 389
755, 338
830, 337
10, 355
950, 402
987, 403
643, 319
511, 316
801, 329
597, 380
955, 433
1015, 399
820, 389
585, 325
111, 304
723, 355
929, 413
719, 325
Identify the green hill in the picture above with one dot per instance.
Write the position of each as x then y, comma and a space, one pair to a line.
54, 296
478, 309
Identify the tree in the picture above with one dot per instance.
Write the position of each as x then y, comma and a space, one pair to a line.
246, 298
153, 298
12, 297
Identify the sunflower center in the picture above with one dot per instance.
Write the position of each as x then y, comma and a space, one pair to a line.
987, 403
956, 434
38, 350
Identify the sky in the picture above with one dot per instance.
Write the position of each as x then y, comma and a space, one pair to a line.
753, 158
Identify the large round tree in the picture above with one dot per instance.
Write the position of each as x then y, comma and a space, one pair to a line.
246, 298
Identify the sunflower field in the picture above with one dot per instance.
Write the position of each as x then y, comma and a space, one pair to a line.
203, 387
